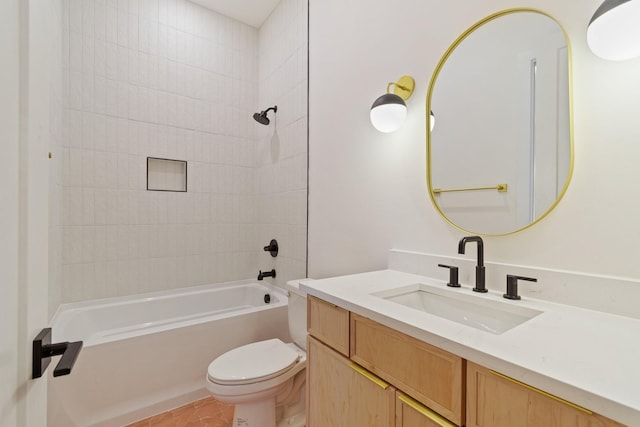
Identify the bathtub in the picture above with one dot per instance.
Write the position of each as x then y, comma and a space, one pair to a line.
146, 354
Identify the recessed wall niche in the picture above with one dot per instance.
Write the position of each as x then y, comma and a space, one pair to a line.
166, 175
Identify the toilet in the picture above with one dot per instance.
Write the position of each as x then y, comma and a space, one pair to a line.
265, 380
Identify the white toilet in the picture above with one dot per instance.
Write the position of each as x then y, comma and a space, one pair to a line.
266, 380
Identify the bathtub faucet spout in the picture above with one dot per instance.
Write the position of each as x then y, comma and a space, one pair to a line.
271, 273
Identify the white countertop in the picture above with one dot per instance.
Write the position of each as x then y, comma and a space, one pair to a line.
586, 357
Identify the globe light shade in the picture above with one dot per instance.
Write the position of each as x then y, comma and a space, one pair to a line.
388, 112
614, 30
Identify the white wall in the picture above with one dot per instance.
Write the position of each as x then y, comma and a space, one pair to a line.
9, 162
368, 190
281, 169
40, 100
165, 79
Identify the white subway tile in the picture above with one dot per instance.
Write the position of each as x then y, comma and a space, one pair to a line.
122, 136
123, 100
75, 167
123, 181
87, 131
135, 178
123, 64
133, 32
153, 38
134, 103
111, 61
75, 90
100, 20
88, 246
123, 28
134, 213
112, 278
112, 207
100, 206
88, 55
100, 95
111, 25
112, 176
134, 7
134, 70
122, 214
99, 288
75, 15
88, 168
111, 104
87, 92
75, 244
153, 106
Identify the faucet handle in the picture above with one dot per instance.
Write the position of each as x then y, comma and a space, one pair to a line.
453, 275
512, 286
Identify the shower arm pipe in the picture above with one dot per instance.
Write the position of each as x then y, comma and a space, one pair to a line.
274, 109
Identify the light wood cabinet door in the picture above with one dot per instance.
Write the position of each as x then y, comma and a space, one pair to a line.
411, 413
329, 323
342, 394
494, 400
431, 375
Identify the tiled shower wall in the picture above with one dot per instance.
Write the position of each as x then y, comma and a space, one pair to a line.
281, 170
168, 79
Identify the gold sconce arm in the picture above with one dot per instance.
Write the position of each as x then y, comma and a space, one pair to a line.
403, 87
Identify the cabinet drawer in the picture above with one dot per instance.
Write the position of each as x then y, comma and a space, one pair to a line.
432, 376
329, 323
411, 413
495, 400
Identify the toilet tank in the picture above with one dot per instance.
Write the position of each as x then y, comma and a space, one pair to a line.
297, 312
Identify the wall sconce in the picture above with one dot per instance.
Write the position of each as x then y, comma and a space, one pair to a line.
389, 111
614, 32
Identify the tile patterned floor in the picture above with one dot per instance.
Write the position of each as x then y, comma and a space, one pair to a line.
203, 413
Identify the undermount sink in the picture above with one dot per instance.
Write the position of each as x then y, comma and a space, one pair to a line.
480, 313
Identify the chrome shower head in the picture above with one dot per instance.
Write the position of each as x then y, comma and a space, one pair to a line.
262, 118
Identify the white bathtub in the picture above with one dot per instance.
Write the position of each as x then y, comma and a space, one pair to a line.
149, 353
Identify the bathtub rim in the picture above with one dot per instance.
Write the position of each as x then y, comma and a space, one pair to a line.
67, 309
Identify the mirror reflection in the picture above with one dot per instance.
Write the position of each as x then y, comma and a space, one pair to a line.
500, 157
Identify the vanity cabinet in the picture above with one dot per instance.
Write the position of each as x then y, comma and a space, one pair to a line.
354, 366
495, 400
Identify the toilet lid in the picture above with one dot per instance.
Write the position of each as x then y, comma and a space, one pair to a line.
253, 362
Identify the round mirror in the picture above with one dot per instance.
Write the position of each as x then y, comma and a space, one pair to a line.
500, 156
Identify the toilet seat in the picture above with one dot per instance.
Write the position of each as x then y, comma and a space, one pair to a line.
251, 363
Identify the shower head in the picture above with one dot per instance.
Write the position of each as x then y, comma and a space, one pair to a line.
262, 118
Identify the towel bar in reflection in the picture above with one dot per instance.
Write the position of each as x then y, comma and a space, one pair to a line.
502, 188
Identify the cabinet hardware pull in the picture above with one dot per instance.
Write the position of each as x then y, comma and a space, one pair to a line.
359, 369
425, 411
325, 302
544, 393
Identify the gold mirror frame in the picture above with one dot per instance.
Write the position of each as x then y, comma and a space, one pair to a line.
432, 83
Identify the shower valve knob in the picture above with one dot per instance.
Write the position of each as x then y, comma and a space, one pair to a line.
272, 248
